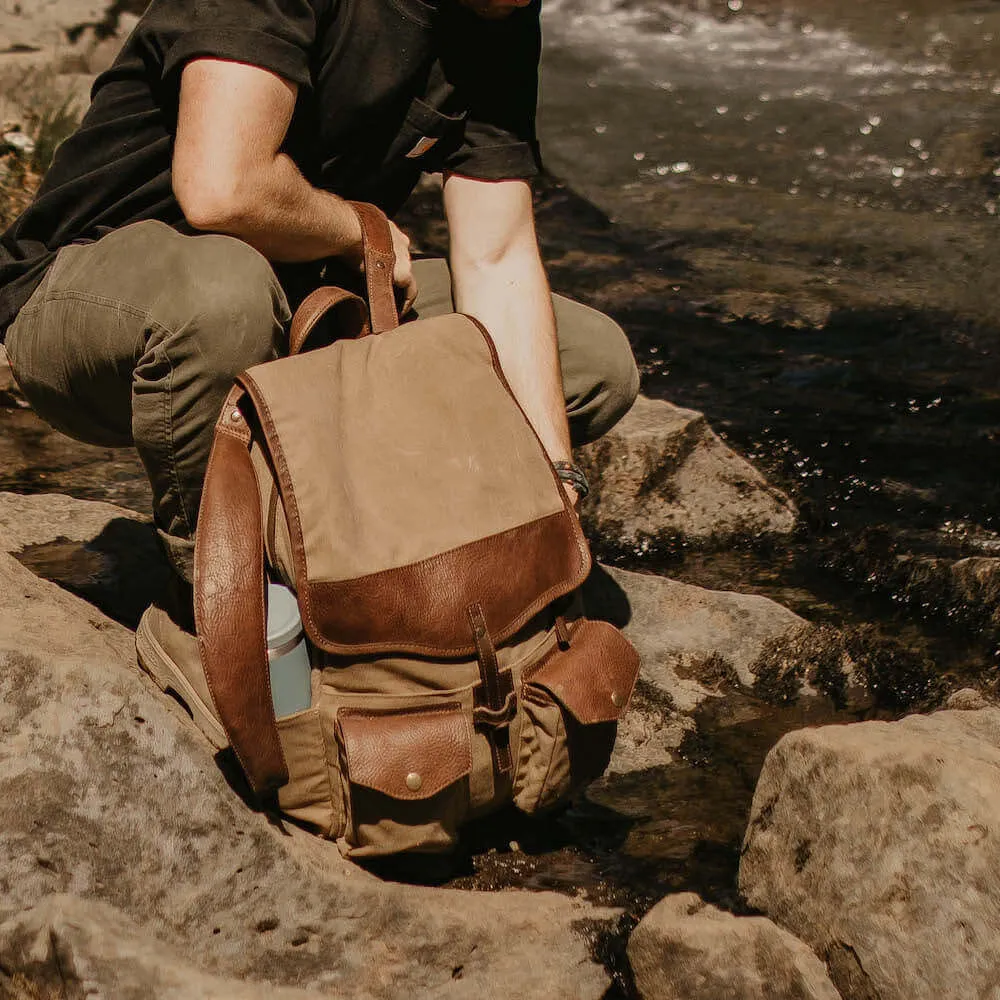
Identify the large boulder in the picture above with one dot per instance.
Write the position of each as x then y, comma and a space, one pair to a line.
662, 475
40, 519
876, 843
109, 794
684, 949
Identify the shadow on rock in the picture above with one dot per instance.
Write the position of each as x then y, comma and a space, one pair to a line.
120, 571
604, 598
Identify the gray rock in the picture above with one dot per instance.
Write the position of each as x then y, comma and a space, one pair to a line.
662, 474
699, 644
108, 793
45, 23
876, 843
685, 949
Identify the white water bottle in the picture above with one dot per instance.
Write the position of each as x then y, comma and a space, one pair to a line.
287, 656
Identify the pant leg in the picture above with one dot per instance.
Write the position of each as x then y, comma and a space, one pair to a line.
136, 339
599, 374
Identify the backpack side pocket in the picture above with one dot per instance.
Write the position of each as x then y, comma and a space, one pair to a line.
309, 795
571, 703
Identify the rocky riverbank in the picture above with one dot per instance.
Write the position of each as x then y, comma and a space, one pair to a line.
767, 827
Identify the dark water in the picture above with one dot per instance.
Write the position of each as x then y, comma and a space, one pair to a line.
878, 105
791, 208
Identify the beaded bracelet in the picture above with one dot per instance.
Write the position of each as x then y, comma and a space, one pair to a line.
573, 474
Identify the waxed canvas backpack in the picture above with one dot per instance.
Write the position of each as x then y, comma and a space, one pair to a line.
388, 476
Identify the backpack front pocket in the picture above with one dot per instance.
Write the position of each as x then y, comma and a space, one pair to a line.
571, 702
405, 777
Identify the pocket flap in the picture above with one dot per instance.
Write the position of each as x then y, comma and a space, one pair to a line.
595, 677
406, 755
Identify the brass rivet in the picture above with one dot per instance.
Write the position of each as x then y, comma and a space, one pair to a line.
236, 416
616, 699
414, 781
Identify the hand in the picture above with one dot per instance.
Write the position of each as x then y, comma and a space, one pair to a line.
402, 273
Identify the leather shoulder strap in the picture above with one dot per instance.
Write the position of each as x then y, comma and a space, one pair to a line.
380, 259
229, 602
352, 315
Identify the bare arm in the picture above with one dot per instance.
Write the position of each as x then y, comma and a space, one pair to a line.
497, 276
230, 175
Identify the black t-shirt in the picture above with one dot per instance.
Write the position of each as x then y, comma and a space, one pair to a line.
387, 89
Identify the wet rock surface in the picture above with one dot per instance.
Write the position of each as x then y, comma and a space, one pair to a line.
685, 949
875, 844
662, 476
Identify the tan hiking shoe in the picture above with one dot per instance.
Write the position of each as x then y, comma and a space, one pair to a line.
169, 654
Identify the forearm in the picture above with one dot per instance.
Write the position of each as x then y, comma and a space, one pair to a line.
278, 212
510, 296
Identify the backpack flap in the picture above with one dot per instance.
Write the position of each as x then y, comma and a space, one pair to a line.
409, 755
414, 486
593, 679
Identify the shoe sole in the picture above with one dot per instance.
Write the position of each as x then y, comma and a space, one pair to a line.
167, 677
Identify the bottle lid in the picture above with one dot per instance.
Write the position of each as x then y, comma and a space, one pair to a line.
283, 621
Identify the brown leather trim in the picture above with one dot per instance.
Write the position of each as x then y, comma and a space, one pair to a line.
380, 260
407, 755
230, 611
594, 678
352, 315
421, 608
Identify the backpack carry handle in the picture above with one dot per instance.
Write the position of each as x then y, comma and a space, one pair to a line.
352, 315
380, 260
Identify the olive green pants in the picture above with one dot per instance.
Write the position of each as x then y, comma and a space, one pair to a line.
136, 339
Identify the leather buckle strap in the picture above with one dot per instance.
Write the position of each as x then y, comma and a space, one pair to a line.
498, 701
229, 606
380, 260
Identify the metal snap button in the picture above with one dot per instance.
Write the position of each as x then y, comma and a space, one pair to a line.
414, 781
616, 699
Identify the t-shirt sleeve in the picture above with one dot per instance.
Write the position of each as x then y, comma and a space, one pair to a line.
273, 34
493, 66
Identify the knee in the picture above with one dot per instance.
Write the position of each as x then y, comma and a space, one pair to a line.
606, 380
621, 378
221, 309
